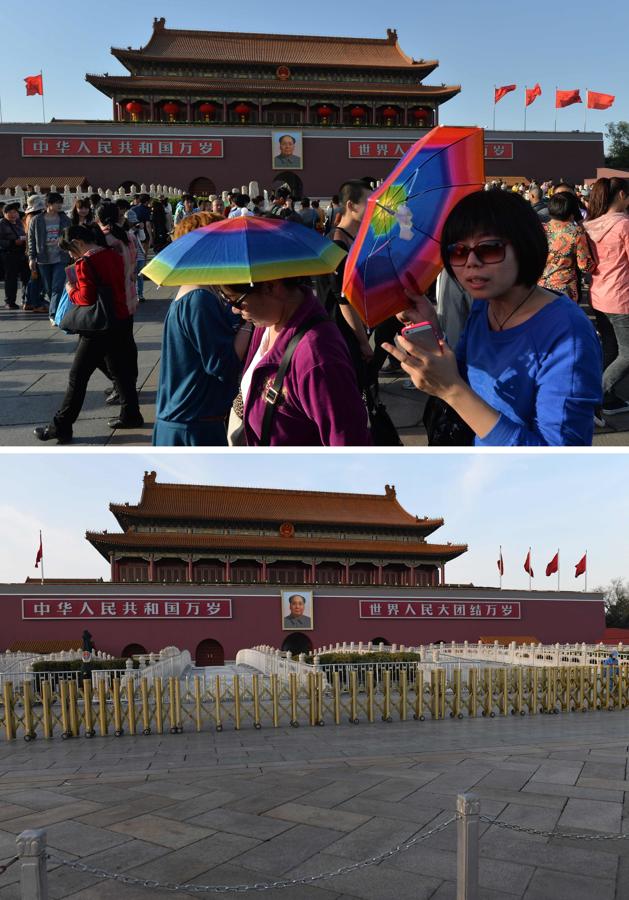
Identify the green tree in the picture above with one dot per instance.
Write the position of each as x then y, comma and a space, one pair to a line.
618, 138
616, 603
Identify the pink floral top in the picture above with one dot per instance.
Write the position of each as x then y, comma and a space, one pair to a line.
568, 252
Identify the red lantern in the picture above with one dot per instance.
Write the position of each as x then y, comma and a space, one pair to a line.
134, 109
242, 110
207, 110
421, 115
390, 114
171, 109
358, 114
324, 113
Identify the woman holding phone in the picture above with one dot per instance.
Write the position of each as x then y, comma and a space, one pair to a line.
527, 369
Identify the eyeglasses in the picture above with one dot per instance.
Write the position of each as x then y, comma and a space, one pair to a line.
235, 302
486, 252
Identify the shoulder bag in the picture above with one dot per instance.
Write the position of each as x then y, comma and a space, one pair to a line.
94, 319
383, 431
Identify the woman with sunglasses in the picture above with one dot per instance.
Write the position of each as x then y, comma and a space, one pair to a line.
527, 369
319, 404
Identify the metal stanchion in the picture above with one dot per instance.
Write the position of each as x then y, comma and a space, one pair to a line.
467, 850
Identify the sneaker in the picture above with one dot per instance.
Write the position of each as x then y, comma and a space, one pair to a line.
615, 406
599, 421
408, 385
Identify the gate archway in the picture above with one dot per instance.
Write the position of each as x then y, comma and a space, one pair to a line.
293, 181
297, 643
202, 187
209, 653
133, 650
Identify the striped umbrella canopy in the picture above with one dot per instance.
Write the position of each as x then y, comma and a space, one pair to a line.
244, 250
398, 243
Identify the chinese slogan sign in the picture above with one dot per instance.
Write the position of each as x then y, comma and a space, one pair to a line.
101, 147
397, 149
437, 609
136, 608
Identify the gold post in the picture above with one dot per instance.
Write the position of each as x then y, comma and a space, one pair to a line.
217, 703
197, 702
117, 707
386, 712
74, 709
159, 706
9, 719
146, 712
354, 696
27, 699
489, 693
505, 693
292, 684
520, 690
535, 678
311, 698
419, 695
472, 683
275, 700
63, 702
256, 702
102, 707
319, 676
45, 703
620, 686
131, 704
581, 688
370, 696
88, 712
336, 681
403, 689
456, 697
236, 689
178, 716
434, 690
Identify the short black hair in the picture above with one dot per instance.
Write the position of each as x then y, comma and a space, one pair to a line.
53, 197
563, 205
282, 136
505, 215
353, 190
305, 202
145, 198
121, 203
241, 200
187, 197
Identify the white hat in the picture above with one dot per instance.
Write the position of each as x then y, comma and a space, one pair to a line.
35, 203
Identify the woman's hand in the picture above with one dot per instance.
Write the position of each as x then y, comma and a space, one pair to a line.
434, 373
421, 310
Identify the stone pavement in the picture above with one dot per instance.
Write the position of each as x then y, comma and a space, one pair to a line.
254, 806
35, 359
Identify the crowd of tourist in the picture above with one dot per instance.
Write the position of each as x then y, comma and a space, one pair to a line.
530, 317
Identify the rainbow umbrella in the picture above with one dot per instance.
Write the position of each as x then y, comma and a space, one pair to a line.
244, 250
397, 245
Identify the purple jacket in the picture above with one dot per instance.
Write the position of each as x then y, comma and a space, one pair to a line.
321, 405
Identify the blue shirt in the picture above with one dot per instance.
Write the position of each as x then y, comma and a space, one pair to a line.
544, 377
199, 368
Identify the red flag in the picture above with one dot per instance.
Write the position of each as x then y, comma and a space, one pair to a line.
501, 565
600, 101
532, 94
527, 565
34, 85
40, 552
567, 98
501, 92
553, 565
581, 566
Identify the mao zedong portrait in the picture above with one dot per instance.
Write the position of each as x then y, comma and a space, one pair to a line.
286, 157
296, 617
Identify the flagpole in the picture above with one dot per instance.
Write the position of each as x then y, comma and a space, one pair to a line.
525, 90
42, 557
500, 570
585, 587
494, 126
556, 89
43, 108
530, 567
558, 567
585, 120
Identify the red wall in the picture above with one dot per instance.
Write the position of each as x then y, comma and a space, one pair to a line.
256, 618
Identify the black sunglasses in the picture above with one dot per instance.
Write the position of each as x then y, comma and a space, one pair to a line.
486, 252
235, 302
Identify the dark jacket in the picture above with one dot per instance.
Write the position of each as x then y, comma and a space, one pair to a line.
37, 238
9, 234
541, 209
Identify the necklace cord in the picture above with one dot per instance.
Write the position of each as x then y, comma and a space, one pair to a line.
502, 324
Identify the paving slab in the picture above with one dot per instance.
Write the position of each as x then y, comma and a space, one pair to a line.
592, 815
166, 832
546, 884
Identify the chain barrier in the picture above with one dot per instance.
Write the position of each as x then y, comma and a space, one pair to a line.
6, 865
562, 834
259, 886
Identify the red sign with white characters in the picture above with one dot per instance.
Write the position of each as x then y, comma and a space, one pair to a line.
498, 151
397, 149
437, 609
130, 608
103, 147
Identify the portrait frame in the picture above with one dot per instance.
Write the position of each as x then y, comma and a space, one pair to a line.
308, 597
298, 150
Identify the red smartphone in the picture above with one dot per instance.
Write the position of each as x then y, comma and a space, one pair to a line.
423, 335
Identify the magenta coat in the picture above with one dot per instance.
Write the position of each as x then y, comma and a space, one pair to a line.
321, 405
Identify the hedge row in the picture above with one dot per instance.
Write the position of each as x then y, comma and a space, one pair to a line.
74, 665
345, 658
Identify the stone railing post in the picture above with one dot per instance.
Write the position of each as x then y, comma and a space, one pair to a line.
31, 846
467, 847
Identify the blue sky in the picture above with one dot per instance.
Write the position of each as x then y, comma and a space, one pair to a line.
571, 501
478, 43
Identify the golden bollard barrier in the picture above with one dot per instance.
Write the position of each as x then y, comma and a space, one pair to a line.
9, 716
131, 703
63, 703
146, 710
236, 691
619, 691
159, 705
27, 699
418, 715
256, 702
118, 729
88, 712
370, 696
172, 711
434, 694
488, 705
178, 716
292, 686
534, 706
456, 696
353, 687
520, 692
443, 691
505, 692
102, 707
386, 711
275, 700
73, 708
312, 713
581, 696
46, 711
320, 690
336, 682
217, 704
403, 695
197, 702
472, 688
